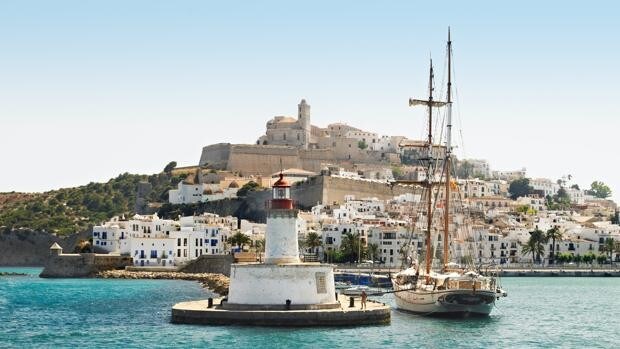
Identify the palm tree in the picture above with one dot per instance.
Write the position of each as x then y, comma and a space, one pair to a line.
313, 241
553, 234
535, 245
609, 247
239, 239
350, 247
259, 248
373, 251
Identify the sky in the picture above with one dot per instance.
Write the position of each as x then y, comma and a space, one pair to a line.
92, 89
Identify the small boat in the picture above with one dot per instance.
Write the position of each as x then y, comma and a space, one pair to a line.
341, 285
356, 290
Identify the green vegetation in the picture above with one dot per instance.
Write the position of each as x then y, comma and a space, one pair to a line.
70, 210
559, 201
313, 241
248, 187
600, 190
362, 145
527, 209
535, 245
520, 187
239, 239
464, 169
397, 172
553, 234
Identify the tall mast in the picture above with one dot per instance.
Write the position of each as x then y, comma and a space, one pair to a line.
446, 214
429, 179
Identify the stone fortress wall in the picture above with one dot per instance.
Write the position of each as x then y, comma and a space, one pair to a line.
82, 264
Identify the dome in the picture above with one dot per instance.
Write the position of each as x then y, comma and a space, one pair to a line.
281, 182
233, 184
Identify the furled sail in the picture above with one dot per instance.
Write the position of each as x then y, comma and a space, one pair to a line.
414, 102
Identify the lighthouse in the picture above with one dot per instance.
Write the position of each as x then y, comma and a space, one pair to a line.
281, 246
282, 291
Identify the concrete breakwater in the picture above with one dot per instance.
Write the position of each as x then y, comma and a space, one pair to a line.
215, 282
560, 272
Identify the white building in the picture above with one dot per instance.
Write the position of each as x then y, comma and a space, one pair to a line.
155, 242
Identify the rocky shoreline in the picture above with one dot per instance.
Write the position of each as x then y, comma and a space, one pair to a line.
217, 283
12, 274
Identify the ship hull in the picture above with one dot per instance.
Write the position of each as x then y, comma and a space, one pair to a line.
449, 303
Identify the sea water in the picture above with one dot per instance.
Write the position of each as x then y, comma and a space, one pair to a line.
97, 313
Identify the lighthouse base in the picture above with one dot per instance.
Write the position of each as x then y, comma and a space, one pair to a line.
297, 284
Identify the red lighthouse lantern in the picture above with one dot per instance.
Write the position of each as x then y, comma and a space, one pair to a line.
281, 195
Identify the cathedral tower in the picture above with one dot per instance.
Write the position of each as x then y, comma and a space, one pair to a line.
304, 120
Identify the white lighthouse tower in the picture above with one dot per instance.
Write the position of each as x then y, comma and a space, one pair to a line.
283, 278
281, 239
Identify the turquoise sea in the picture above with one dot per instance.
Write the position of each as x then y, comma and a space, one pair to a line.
93, 313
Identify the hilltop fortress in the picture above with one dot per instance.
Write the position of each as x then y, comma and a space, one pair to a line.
296, 143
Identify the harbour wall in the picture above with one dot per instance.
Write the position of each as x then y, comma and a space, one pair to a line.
209, 264
82, 265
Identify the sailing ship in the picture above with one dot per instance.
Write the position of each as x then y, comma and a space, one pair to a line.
451, 291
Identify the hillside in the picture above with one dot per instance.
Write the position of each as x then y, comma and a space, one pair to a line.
71, 210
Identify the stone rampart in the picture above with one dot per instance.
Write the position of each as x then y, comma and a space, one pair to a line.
82, 265
250, 159
216, 155
209, 264
262, 159
334, 189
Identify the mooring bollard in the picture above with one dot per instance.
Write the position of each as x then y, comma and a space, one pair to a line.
210, 303
288, 304
351, 302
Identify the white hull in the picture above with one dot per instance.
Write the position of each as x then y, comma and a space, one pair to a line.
447, 302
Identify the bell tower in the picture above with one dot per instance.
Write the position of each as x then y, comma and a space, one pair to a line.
281, 246
303, 116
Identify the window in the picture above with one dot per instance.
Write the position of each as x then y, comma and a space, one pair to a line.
185, 242
179, 242
153, 253
179, 253
321, 286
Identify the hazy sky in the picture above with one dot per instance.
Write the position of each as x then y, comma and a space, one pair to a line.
91, 89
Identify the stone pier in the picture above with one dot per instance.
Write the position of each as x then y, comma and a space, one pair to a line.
199, 312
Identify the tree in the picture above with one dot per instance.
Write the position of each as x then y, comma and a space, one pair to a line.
239, 239
246, 188
520, 187
397, 172
562, 200
362, 145
351, 247
171, 165
373, 251
464, 169
313, 241
535, 245
600, 190
564, 257
553, 234
259, 248
610, 247
575, 186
